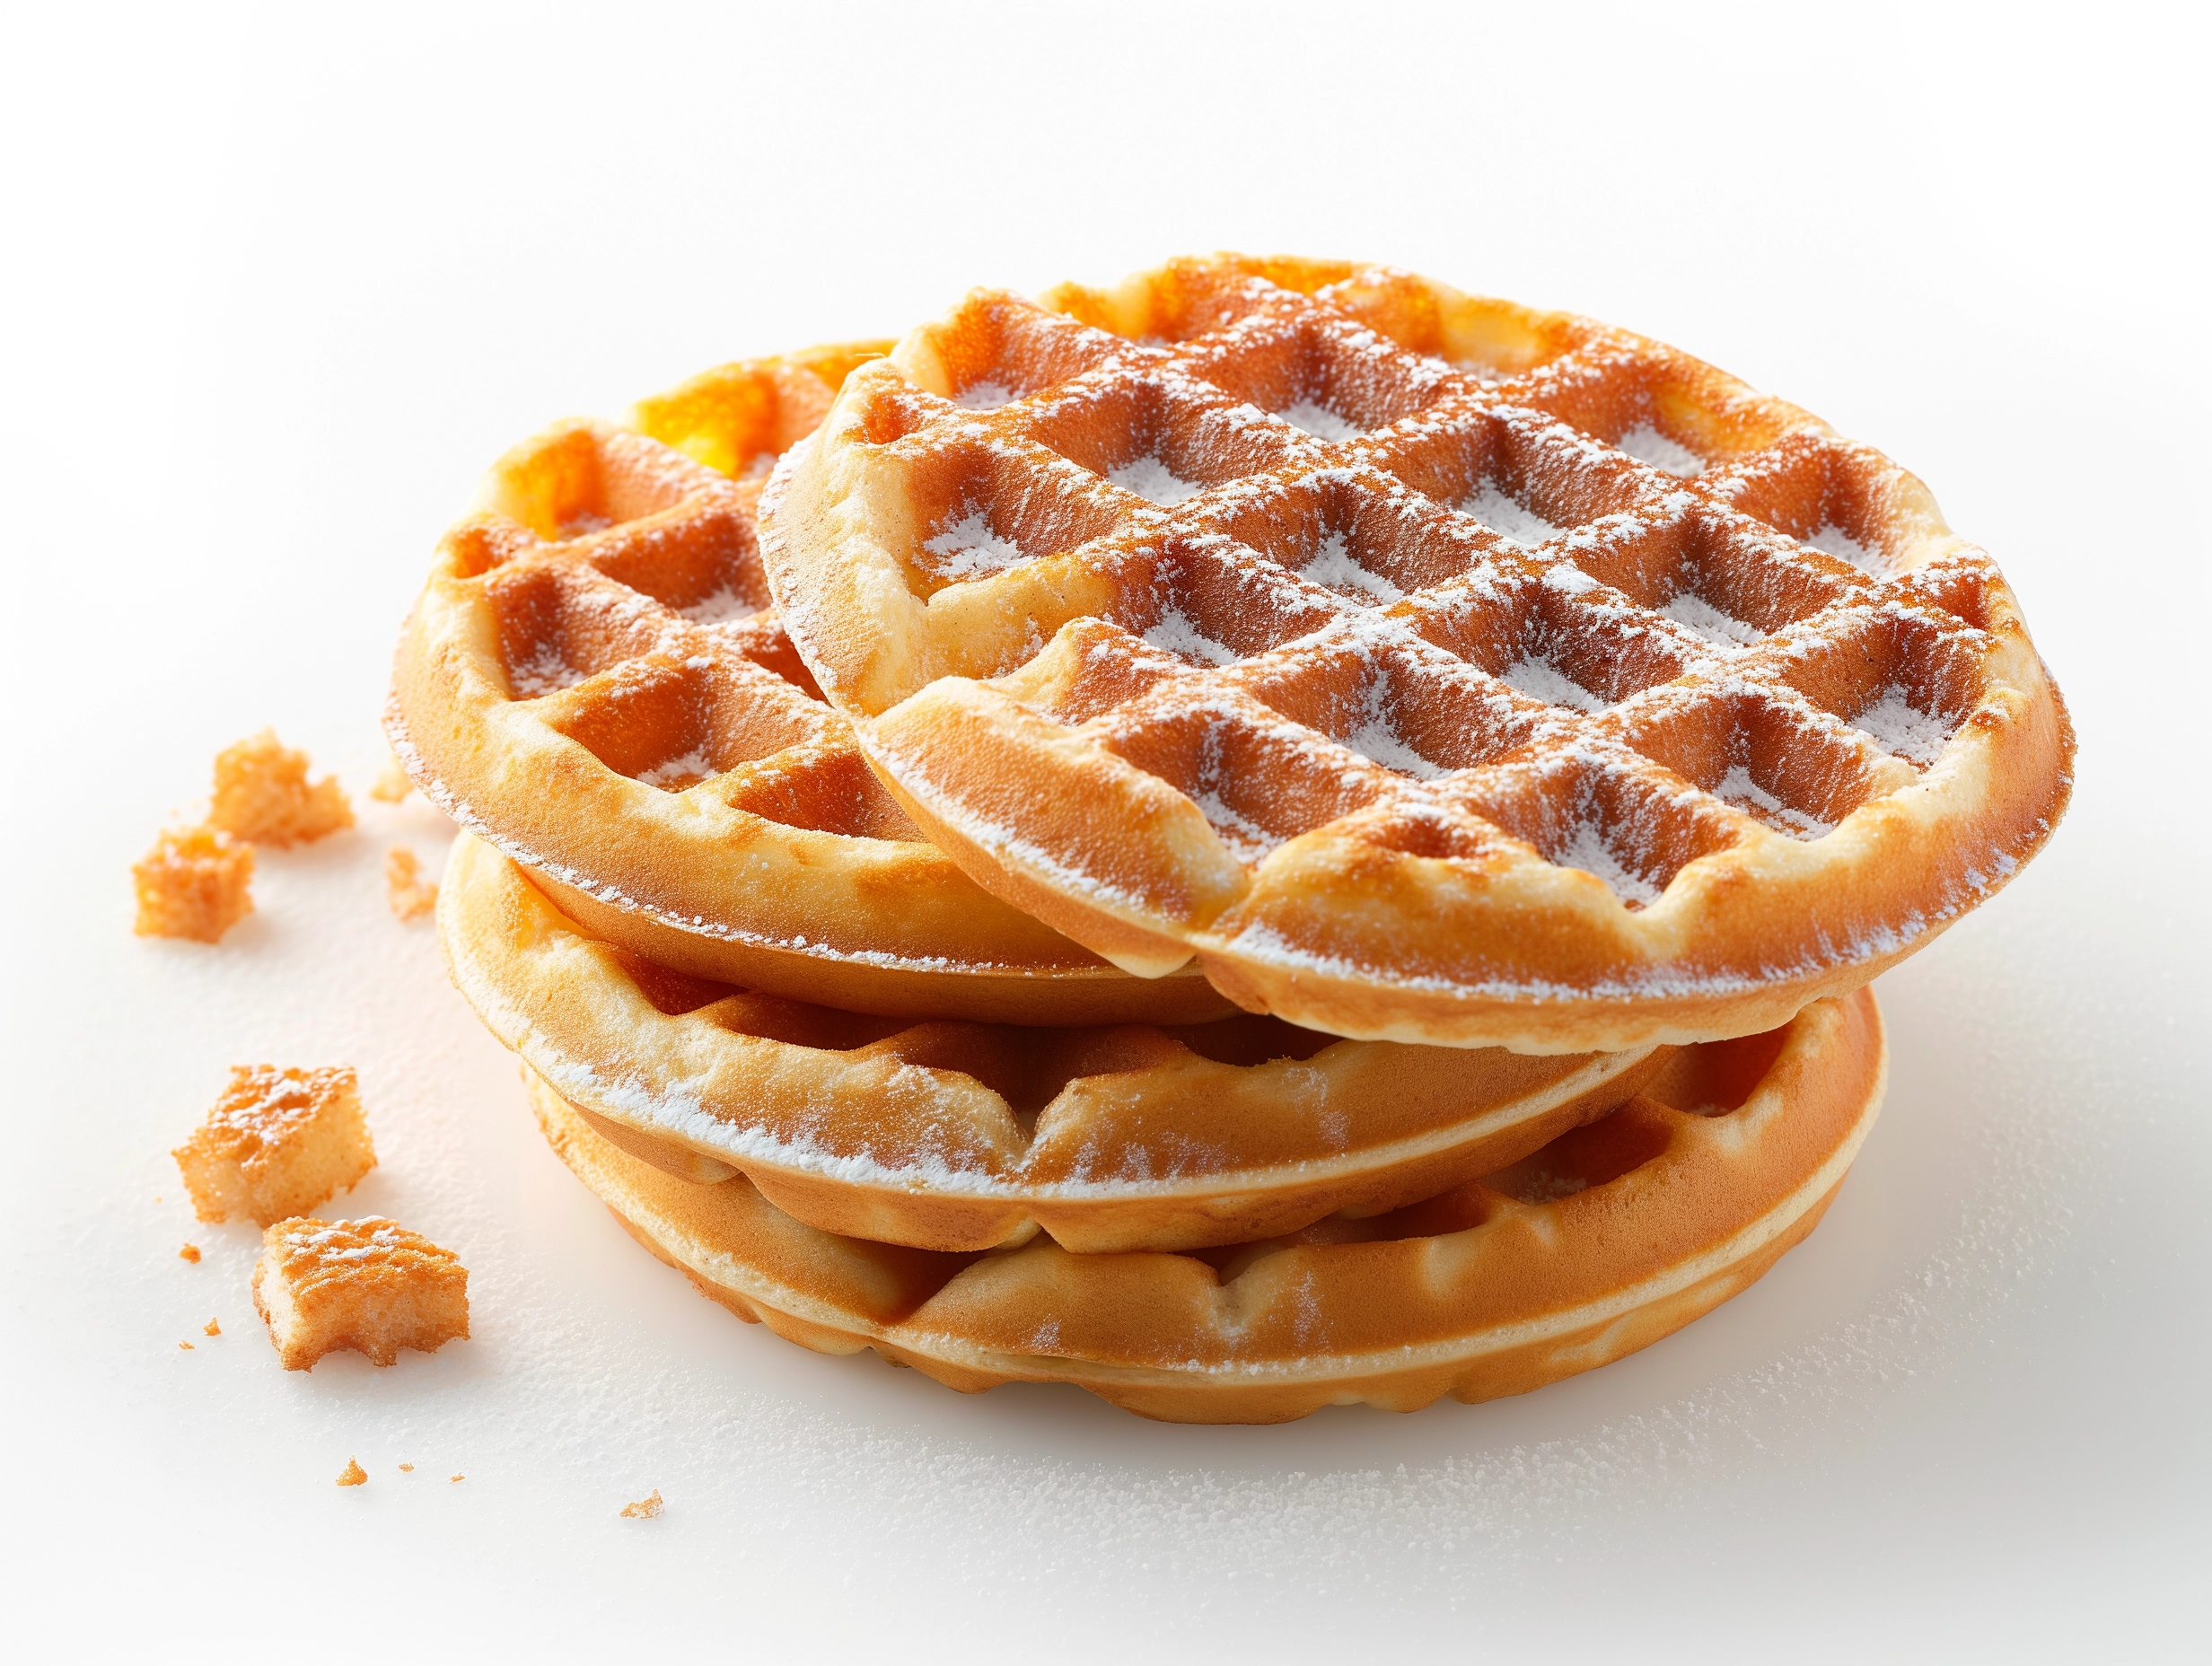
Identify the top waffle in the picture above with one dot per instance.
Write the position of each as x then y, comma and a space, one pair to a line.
593, 681
1434, 670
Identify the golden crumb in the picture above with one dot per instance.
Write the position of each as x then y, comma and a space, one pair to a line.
393, 785
186, 1347
262, 796
649, 1506
190, 1252
457, 1477
277, 1143
406, 1469
404, 888
353, 1474
196, 883
212, 1329
370, 1286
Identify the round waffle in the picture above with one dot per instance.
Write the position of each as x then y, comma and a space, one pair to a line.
1434, 670
961, 1135
594, 681
1605, 1240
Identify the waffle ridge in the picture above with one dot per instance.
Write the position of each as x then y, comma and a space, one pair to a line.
1361, 638
595, 680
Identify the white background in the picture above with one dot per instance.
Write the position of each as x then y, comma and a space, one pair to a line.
277, 286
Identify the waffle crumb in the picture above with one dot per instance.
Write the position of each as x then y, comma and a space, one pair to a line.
353, 1474
405, 888
186, 1347
456, 1478
196, 883
370, 1286
262, 796
649, 1506
276, 1143
211, 1329
393, 785
406, 1469
190, 1252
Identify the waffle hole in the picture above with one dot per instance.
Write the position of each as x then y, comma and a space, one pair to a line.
1903, 681
1827, 494
995, 349
673, 726
1413, 718
1161, 444
1547, 644
1586, 1158
1327, 382
1666, 411
1763, 758
1211, 605
1357, 535
705, 567
1728, 585
836, 793
557, 628
1714, 1078
1629, 833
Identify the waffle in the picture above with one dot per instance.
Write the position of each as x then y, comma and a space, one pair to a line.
1602, 1242
958, 1136
594, 681
1432, 669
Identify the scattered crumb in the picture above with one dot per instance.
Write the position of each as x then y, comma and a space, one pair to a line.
406, 1469
370, 1286
276, 1143
353, 1474
196, 883
262, 796
404, 887
213, 1329
190, 1252
649, 1506
186, 1347
456, 1478
393, 785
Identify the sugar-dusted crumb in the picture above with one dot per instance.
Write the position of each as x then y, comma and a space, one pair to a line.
393, 785
211, 1328
276, 1143
406, 1469
190, 1252
370, 1286
262, 796
410, 896
196, 883
353, 1474
649, 1506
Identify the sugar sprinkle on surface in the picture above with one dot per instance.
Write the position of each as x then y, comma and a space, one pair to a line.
672, 775
1153, 481
1900, 727
1319, 421
1833, 540
984, 395
970, 548
1646, 444
1331, 566
723, 607
1508, 517
1179, 635
1588, 851
1737, 787
1722, 630
1541, 679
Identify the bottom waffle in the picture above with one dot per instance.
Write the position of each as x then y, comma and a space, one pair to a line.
1608, 1239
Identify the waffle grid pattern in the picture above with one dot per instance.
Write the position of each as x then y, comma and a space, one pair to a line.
1579, 600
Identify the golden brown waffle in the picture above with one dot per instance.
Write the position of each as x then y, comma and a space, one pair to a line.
955, 1135
593, 680
1435, 670
1607, 1239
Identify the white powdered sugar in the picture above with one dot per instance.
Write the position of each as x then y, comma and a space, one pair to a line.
1833, 540
1588, 851
1508, 517
546, 672
1900, 727
1646, 444
1722, 630
1153, 481
1379, 741
971, 549
724, 607
1737, 787
1250, 841
1319, 421
1179, 635
1541, 679
672, 775
1332, 568
984, 395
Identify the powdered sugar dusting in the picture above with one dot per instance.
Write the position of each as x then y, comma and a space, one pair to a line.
1900, 727
546, 672
1332, 568
1588, 851
724, 607
1153, 481
1722, 630
1179, 635
1508, 517
984, 395
1646, 444
1250, 841
1737, 787
672, 775
971, 549
1833, 540
1378, 741
1541, 679
1319, 421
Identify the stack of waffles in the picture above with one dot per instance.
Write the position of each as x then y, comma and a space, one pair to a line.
1275, 836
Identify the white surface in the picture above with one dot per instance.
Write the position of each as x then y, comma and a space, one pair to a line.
277, 290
